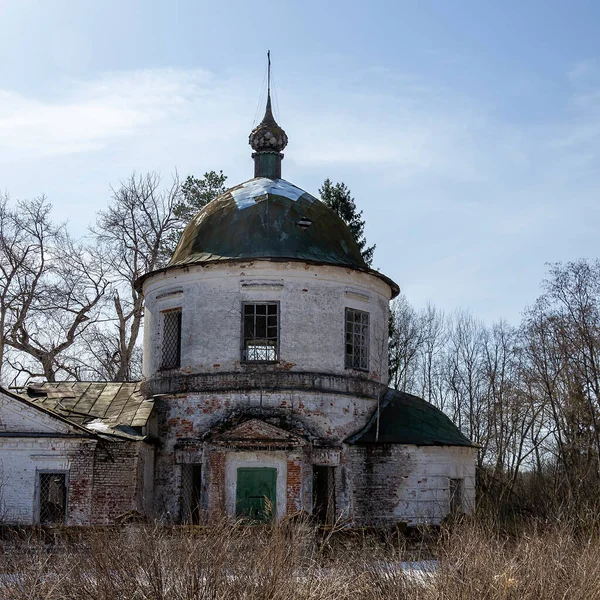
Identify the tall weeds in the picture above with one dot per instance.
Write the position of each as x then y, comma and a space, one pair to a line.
474, 560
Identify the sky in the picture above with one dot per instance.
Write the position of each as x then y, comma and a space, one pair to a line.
467, 131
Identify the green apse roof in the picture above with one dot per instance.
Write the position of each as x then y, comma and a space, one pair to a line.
407, 419
267, 218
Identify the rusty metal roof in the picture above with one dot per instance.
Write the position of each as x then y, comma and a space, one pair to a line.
408, 419
113, 408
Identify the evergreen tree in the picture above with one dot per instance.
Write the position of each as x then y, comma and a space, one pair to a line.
337, 196
196, 193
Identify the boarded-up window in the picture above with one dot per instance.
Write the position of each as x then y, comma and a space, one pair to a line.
261, 332
455, 491
357, 339
53, 498
171, 340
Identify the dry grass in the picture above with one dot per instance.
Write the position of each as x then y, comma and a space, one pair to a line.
293, 560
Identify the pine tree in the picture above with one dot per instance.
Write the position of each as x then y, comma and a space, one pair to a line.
195, 193
338, 197
199, 192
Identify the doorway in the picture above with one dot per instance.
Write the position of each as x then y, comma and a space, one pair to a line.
324, 494
191, 489
255, 496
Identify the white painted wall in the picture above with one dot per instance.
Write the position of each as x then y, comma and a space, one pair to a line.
424, 495
333, 416
312, 301
21, 459
16, 415
401, 482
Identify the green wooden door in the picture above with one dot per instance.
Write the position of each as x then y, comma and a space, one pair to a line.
255, 493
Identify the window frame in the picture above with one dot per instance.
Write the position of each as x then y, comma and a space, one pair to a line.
163, 313
243, 358
367, 341
38, 495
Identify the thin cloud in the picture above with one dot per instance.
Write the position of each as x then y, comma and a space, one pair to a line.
90, 115
468, 191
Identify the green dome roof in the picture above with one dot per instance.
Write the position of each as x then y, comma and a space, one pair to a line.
407, 419
267, 218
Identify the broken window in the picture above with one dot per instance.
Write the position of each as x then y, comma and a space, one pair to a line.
455, 491
261, 331
324, 494
357, 339
171, 339
53, 498
191, 485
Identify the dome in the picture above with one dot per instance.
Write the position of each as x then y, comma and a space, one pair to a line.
268, 136
267, 218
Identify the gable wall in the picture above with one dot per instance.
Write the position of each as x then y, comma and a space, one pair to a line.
18, 416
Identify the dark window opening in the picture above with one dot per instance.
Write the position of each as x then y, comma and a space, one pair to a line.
191, 489
324, 494
171, 340
53, 498
357, 339
455, 491
261, 332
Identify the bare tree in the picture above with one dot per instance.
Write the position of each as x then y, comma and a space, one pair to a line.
50, 289
465, 376
562, 344
129, 236
431, 379
406, 338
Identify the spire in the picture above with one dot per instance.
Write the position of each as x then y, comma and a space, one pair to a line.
269, 77
268, 139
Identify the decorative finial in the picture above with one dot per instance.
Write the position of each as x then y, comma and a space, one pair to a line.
268, 138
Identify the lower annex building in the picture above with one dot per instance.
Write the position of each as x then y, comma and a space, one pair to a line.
264, 390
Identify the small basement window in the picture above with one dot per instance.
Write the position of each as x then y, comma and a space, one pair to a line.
260, 331
53, 498
357, 339
170, 357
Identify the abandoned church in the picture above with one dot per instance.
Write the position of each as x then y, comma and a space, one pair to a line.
264, 390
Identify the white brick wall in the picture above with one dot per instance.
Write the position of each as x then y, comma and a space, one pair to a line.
18, 416
410, 483
20, 461
22, 457
312, 301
